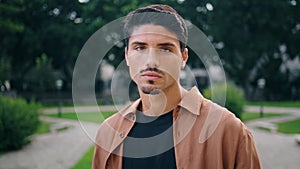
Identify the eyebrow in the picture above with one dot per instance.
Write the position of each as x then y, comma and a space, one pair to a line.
167, 44
138, 43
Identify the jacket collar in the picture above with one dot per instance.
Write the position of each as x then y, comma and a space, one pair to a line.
191, 101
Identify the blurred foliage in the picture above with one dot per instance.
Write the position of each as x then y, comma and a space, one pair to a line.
18, 120
255, 39
4, 69
42, 76
259, 38
234, 100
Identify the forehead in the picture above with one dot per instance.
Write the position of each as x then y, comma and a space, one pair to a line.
152, 32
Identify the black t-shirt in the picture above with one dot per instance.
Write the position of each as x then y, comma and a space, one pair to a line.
150, 145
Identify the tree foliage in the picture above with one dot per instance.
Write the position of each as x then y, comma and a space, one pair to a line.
234, 100
42, 76
258, 37
254, 38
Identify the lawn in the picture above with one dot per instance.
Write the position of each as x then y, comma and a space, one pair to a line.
94, 117
276, 104
86, 160
43, 128
289, 127
246, 116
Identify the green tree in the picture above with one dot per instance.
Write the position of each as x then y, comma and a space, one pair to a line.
254, 38
10, 25
4, 70
41, 77
257, 36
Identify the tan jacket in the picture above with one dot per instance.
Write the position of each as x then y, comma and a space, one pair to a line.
206, 136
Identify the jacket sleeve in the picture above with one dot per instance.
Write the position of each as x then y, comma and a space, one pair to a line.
96, 164
247, 156
102, 144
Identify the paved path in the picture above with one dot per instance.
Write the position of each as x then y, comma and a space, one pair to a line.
56, 150
276, 150
61, 150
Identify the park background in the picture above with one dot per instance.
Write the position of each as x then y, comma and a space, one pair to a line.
257, 42
41, 40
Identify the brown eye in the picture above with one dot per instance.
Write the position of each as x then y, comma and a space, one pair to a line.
165, 49
139, 48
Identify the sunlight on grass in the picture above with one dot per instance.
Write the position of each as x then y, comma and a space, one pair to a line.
43, 128
86, 160
276, 104
289, 127
94, 117
247, 116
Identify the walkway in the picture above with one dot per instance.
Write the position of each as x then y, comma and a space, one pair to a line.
61, 150
276, 150
56, 150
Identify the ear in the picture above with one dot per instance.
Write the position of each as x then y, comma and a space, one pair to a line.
126, 56
185, 57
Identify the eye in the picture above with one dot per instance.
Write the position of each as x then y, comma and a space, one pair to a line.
139, 48
165, 50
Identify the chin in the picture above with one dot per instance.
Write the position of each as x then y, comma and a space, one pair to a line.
150, 90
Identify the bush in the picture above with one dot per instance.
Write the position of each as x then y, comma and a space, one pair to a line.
235, 100
18, 120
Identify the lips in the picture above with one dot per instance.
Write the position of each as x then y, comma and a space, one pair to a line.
151, 75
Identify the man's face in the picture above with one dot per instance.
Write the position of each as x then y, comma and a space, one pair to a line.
154, 58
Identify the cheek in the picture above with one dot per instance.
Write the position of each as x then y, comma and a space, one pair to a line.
135, 64
171, 64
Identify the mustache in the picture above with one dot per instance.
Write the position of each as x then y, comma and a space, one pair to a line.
152, 69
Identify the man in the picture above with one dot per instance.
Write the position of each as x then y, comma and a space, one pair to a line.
168, 127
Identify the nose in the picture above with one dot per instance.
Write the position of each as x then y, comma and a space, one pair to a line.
152, 58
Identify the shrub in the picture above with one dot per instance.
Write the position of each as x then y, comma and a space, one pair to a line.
235, 100
18, 120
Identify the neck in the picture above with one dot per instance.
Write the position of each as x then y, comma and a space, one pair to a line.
163, 102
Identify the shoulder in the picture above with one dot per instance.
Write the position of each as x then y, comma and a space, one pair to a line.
224, 120
233, 127
227, 118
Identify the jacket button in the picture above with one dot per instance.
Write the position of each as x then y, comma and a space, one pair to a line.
121, 135
133, 117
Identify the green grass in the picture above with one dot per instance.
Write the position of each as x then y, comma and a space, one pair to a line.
247, 116
94, 117
43, 128
47, 106
276, 104
86, 160
265, 129
289, 127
